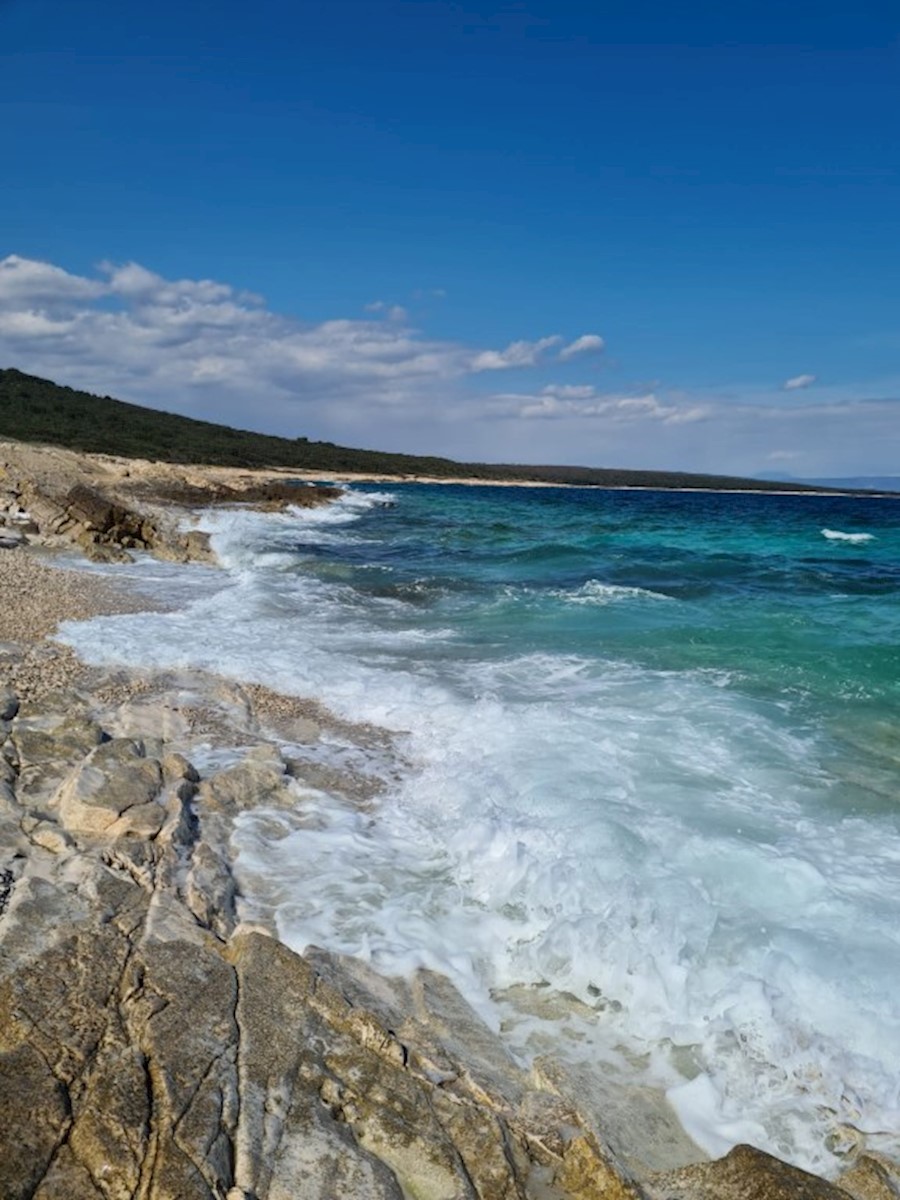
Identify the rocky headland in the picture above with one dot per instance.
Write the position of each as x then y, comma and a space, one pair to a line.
157, 1042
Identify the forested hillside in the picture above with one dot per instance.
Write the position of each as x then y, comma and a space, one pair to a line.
37, 410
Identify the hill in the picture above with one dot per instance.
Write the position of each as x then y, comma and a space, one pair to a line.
37, 410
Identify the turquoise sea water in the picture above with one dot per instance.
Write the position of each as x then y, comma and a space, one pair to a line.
651, 762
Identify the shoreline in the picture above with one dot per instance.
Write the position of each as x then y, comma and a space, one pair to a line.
346, 477
416, 1041
140, 478
35, 598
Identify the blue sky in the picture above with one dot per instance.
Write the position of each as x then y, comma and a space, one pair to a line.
599, 232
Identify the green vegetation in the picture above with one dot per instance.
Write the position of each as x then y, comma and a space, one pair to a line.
36, 410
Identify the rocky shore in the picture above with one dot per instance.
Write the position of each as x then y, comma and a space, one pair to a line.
156, 1040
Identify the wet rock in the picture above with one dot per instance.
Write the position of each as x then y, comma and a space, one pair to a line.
745, 1173
636, 1123
261, 779
872, 1177
152, 1046
103, 552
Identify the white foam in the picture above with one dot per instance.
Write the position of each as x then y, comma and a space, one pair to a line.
593, 591
836, 535
648, 841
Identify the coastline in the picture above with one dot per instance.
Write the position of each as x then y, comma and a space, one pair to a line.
104, 807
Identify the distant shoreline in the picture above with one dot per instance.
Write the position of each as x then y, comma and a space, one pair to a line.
101, 426
336, 478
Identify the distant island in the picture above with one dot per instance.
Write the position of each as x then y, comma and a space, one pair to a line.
38, 410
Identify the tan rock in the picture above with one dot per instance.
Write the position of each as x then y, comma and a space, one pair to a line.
872, 1177
743, 1174
636, 1123
147, 1049
115, 791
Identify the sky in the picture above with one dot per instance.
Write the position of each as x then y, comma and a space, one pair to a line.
637, 234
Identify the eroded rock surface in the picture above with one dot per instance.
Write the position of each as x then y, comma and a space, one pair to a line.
109, 506
153, 1047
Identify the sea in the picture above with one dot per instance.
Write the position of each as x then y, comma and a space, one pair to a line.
643, 802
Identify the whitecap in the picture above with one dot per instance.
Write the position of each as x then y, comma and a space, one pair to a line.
596, 592
837, 535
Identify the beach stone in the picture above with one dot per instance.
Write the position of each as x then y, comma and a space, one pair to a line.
287, 1132
176, 767
23, 522
144, 716
210, 890
9, 704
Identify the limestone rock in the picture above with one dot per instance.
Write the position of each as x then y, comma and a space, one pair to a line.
261, 779
114, 792
62, 742
743, 1174
103, 552
872, 1177
9, 704
636, 1123
35, 1106
152, 1047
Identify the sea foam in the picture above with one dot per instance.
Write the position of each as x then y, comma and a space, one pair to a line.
646, 840
837, 535
594, 591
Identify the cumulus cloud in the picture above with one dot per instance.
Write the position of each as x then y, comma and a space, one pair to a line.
588, 343
24, 282
516, 354
797, 382
199, 344
205, 348
557, 402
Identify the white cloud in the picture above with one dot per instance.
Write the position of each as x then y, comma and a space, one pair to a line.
567, 402
204, 347
797, 382
588, 343
207, 349
24, 282
516, 354
393, 312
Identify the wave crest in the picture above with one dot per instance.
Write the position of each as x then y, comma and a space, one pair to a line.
838, 535
596, 592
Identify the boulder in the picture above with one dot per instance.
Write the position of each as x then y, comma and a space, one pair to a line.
114, 792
